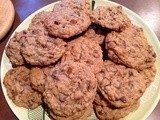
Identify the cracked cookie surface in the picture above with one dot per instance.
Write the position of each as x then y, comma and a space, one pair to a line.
13, 49
110, 17
85, 51
105, 111
67, 23
70, 88
130, 48
17, 82
120, 85
39, 49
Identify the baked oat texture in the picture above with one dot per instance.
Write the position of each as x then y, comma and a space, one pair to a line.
96, 34
81, 115
37, 79
18, 88
149, 75
70, 88
120, 85
13, 49
40, 49
130, 48
40, 17
81, 5
105, 111
85, 51
37, 23
67, 23
110, 17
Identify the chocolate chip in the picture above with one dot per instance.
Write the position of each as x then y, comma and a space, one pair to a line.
69, 70
73, 21
62, 98
100, 112
55, 73
123, 99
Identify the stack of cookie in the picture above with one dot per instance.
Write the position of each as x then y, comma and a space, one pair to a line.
119, 90
71, 54
67, 86
129, 69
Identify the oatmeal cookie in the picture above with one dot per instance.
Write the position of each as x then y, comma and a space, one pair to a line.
81, 5
85, 51
38, 77
130, 48
67, 23
37, 23
110, 17
106, 111
40, 49
40, 17
120, 85
82, 115
13, 49
18, 87
96, 34
149, 75
69, 89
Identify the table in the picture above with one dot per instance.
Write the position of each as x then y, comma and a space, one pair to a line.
148, 10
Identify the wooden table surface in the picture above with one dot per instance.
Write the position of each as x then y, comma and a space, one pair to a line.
149, 10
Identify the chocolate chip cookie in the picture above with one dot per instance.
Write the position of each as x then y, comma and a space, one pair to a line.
107, 111
70, 88
120, 85
149, 75
96, 34
40, 17
40, 49
81, 5
13, 49
82, 115
86, 51
67, 23
37, 78
130, 48
110, 17
17, 83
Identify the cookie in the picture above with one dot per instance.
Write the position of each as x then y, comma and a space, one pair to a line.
100, 100
108, 112
18, 88
96, 34
120, 85
37, 23
40, 49
149, 75
13, 49
81, 5
40, 17
85, 51
130, 48
82, 115
110, 17
37, 79
67, 23
70, 88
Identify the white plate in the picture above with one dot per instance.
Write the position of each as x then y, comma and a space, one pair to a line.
148, 101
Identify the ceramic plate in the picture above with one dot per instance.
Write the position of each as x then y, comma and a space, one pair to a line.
148, 101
